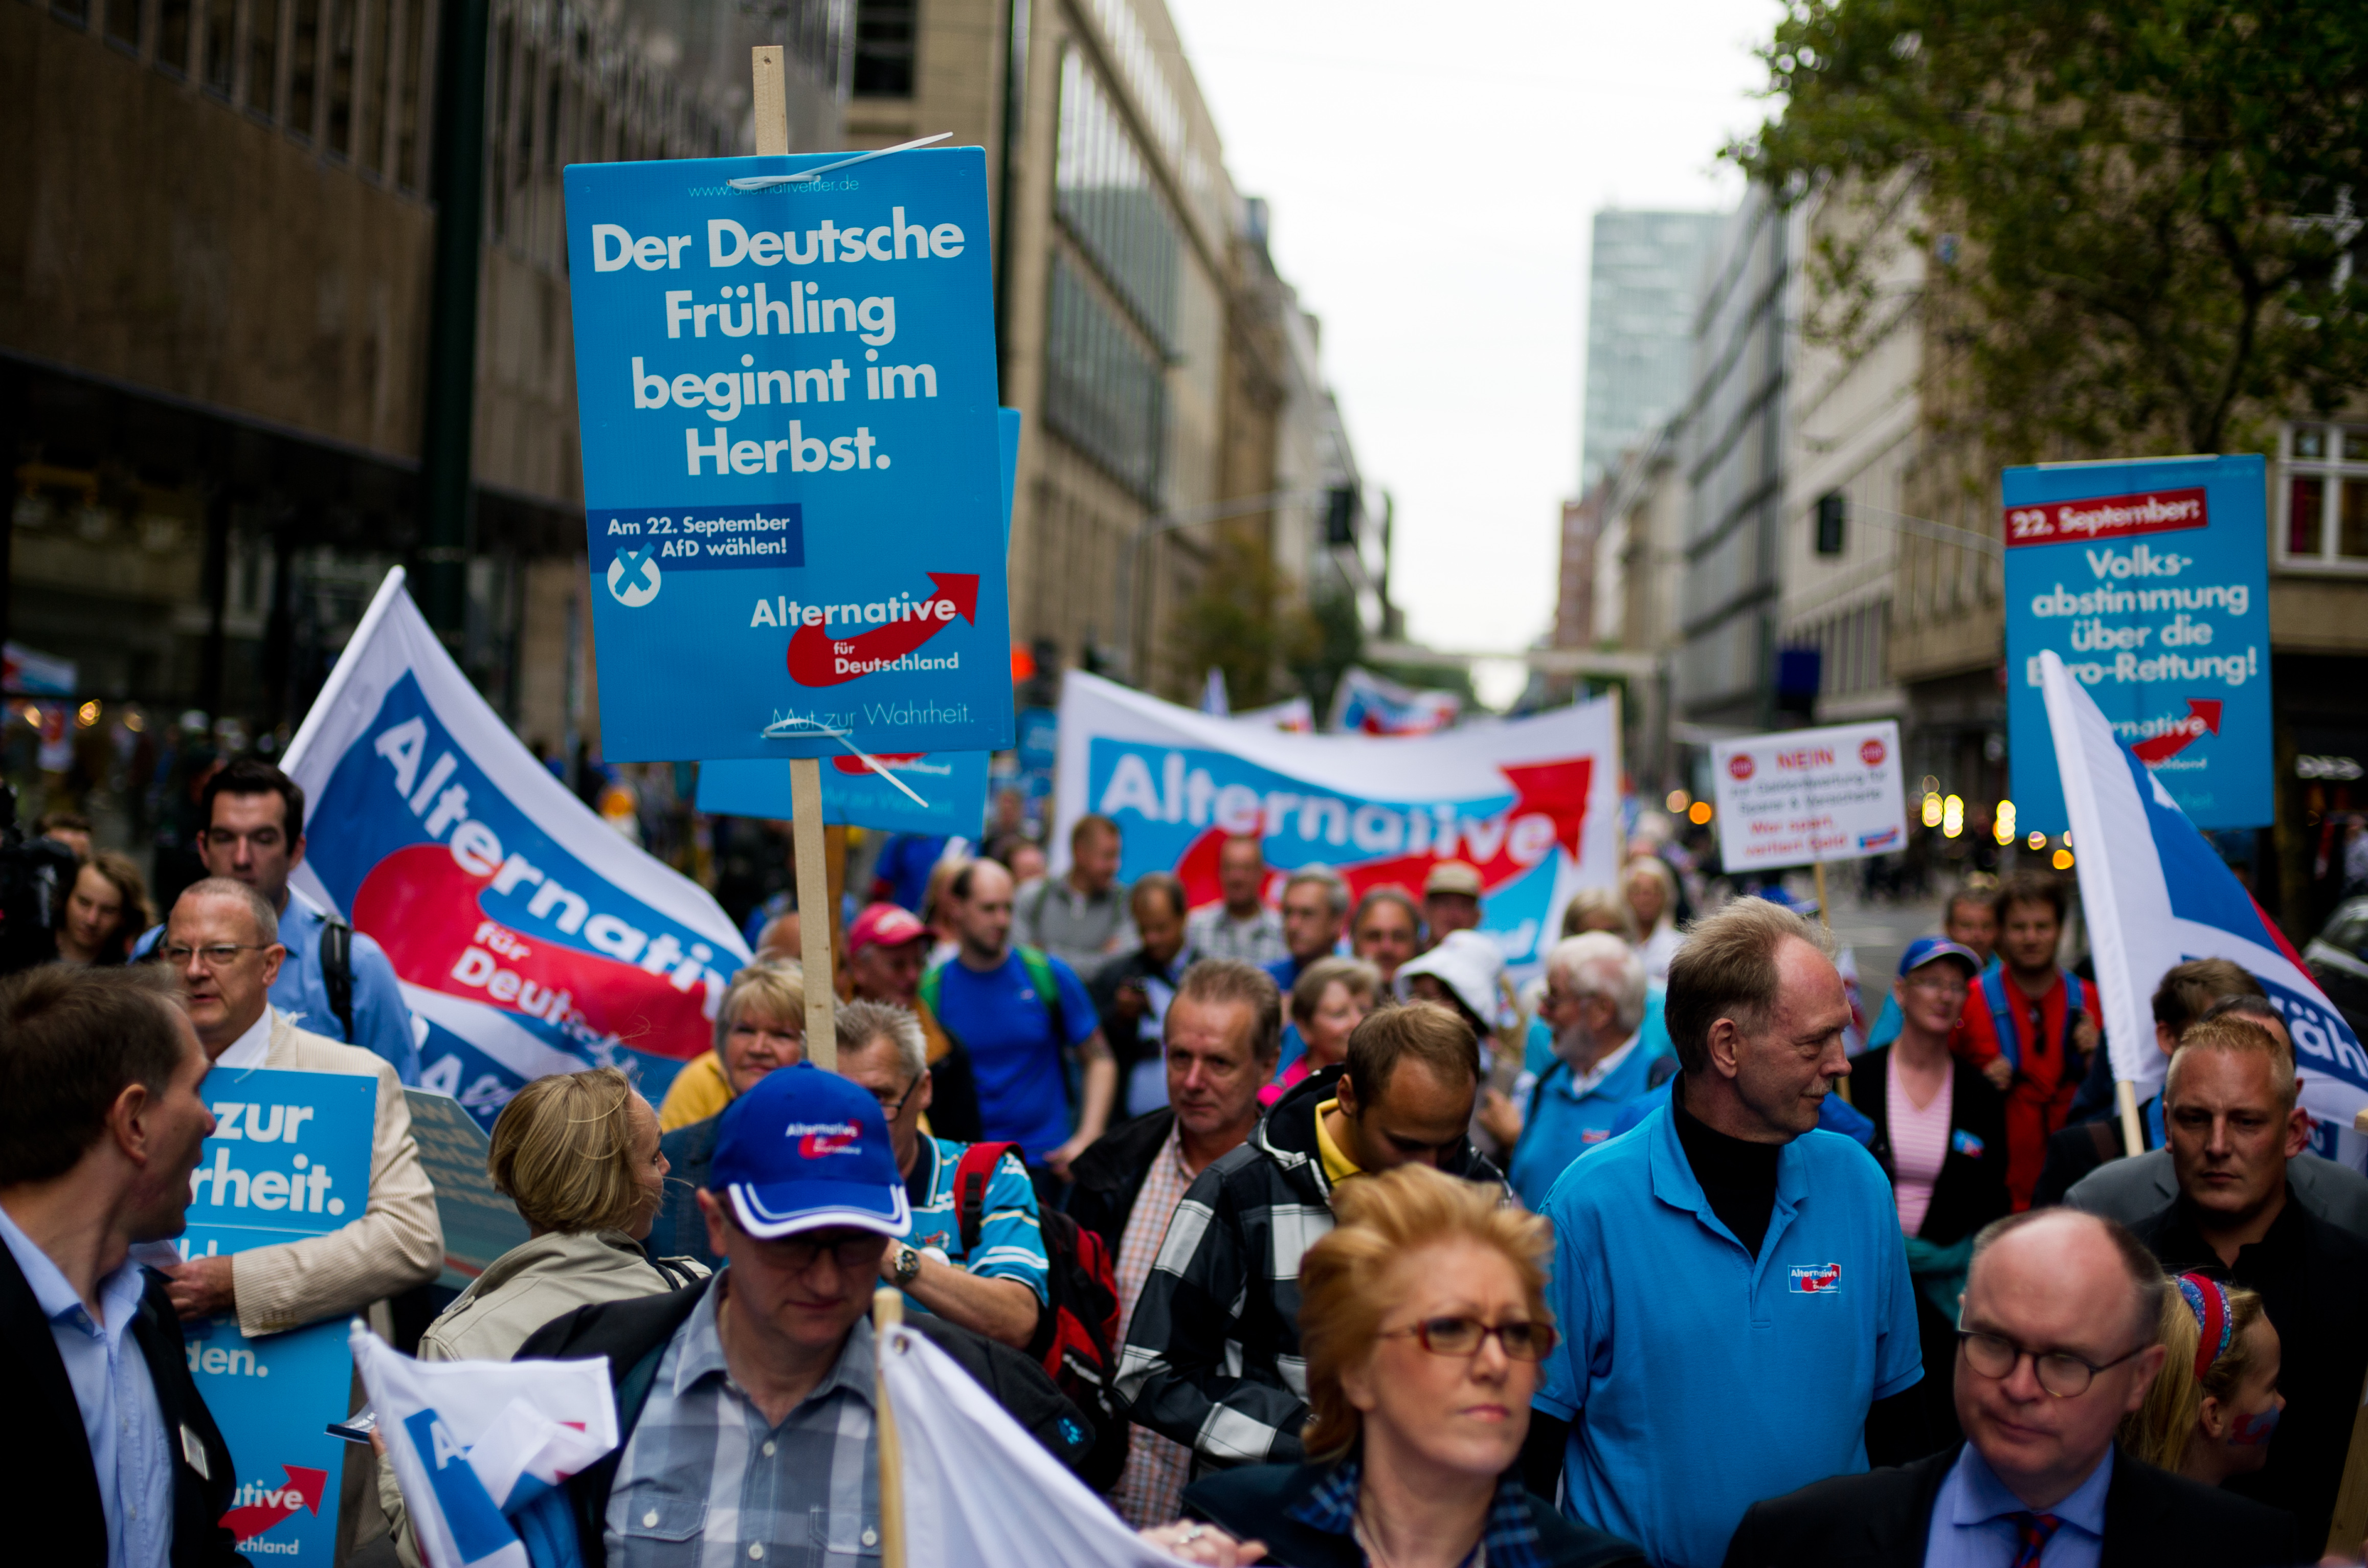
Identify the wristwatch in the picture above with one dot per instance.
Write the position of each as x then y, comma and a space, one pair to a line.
908, 1266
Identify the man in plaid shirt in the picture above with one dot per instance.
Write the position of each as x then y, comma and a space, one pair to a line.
744, 1402
1211, 1358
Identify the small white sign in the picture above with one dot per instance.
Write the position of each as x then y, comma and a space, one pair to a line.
1800, 796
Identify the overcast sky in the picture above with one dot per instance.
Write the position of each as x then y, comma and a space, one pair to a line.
1433, 172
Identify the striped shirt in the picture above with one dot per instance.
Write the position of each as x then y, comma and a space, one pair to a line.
1011, 1236
1151, 1492
705, 1482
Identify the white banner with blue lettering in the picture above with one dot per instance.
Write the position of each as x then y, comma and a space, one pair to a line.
2155, 896
1532, 805
529, 937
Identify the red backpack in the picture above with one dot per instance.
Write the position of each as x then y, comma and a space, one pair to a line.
1076, 1334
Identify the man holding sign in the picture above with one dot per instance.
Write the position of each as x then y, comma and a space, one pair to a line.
223, 941
109, 1451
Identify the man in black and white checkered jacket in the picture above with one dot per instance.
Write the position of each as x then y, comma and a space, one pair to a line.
1211, 1358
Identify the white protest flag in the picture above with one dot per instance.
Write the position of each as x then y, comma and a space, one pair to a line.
2154, 894
476, 1443
529, 937
979, 1492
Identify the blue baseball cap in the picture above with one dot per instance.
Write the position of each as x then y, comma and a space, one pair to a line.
1924, 949
806, 1150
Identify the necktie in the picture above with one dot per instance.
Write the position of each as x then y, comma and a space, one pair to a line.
2031, 1532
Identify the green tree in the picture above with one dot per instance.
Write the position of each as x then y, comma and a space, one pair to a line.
2144, 207
1243, 618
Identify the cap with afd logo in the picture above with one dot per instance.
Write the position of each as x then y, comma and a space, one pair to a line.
807, 1149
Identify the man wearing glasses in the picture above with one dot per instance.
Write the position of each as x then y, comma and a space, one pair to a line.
337, 982
991, 1281
222, 941
2058, 1340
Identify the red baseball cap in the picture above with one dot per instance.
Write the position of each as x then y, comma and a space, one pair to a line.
884, 926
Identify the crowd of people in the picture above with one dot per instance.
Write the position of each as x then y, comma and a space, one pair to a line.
1289, 1223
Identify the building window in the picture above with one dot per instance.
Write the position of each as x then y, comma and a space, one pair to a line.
1105, 391
263, 57
2323, 519
1106, 197
883, 48
1833, 512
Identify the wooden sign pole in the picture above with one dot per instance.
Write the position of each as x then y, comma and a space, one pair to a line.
814, 913
887, 1316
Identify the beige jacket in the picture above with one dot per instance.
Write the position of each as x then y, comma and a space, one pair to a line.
520, 1291
396, 1243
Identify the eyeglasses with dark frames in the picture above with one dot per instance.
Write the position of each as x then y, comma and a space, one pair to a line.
2060, 1372
1521, 1339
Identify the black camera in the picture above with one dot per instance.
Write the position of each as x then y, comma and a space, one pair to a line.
35, 877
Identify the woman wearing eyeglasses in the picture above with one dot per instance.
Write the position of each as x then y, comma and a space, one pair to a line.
1423, 1317
1940, 1134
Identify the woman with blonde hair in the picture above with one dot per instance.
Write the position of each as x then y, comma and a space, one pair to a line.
760, 1024
760, 1027
578, 1153
2215, 1404
1424, 1321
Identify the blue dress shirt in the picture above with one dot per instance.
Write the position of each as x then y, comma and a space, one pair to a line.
120, 1417
1972, 1526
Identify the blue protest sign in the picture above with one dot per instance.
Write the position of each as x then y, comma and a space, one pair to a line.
2150, 580
952, 786
792, 538
290, 1158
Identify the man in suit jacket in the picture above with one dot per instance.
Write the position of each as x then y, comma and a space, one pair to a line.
223, 942
2060, 1340
108, 1455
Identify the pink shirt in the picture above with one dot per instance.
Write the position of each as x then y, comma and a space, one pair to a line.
1919, 1143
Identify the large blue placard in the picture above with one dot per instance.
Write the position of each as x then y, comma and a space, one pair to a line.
2150, 579
788, 396
290, 1158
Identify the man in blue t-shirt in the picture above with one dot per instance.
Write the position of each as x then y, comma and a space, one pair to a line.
1019, 1013
998, 1288
1730, 1280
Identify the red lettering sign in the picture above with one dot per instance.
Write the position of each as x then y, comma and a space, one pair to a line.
2106, 516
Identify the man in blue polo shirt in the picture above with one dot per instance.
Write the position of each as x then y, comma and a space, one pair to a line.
1595, 995
1729, 1281
1019, 1012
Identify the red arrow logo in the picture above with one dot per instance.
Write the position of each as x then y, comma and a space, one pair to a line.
303, 1490
817, 657
891, 761
2202, 716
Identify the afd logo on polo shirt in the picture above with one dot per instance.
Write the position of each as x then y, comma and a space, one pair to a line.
816, 1138
1817, 1278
